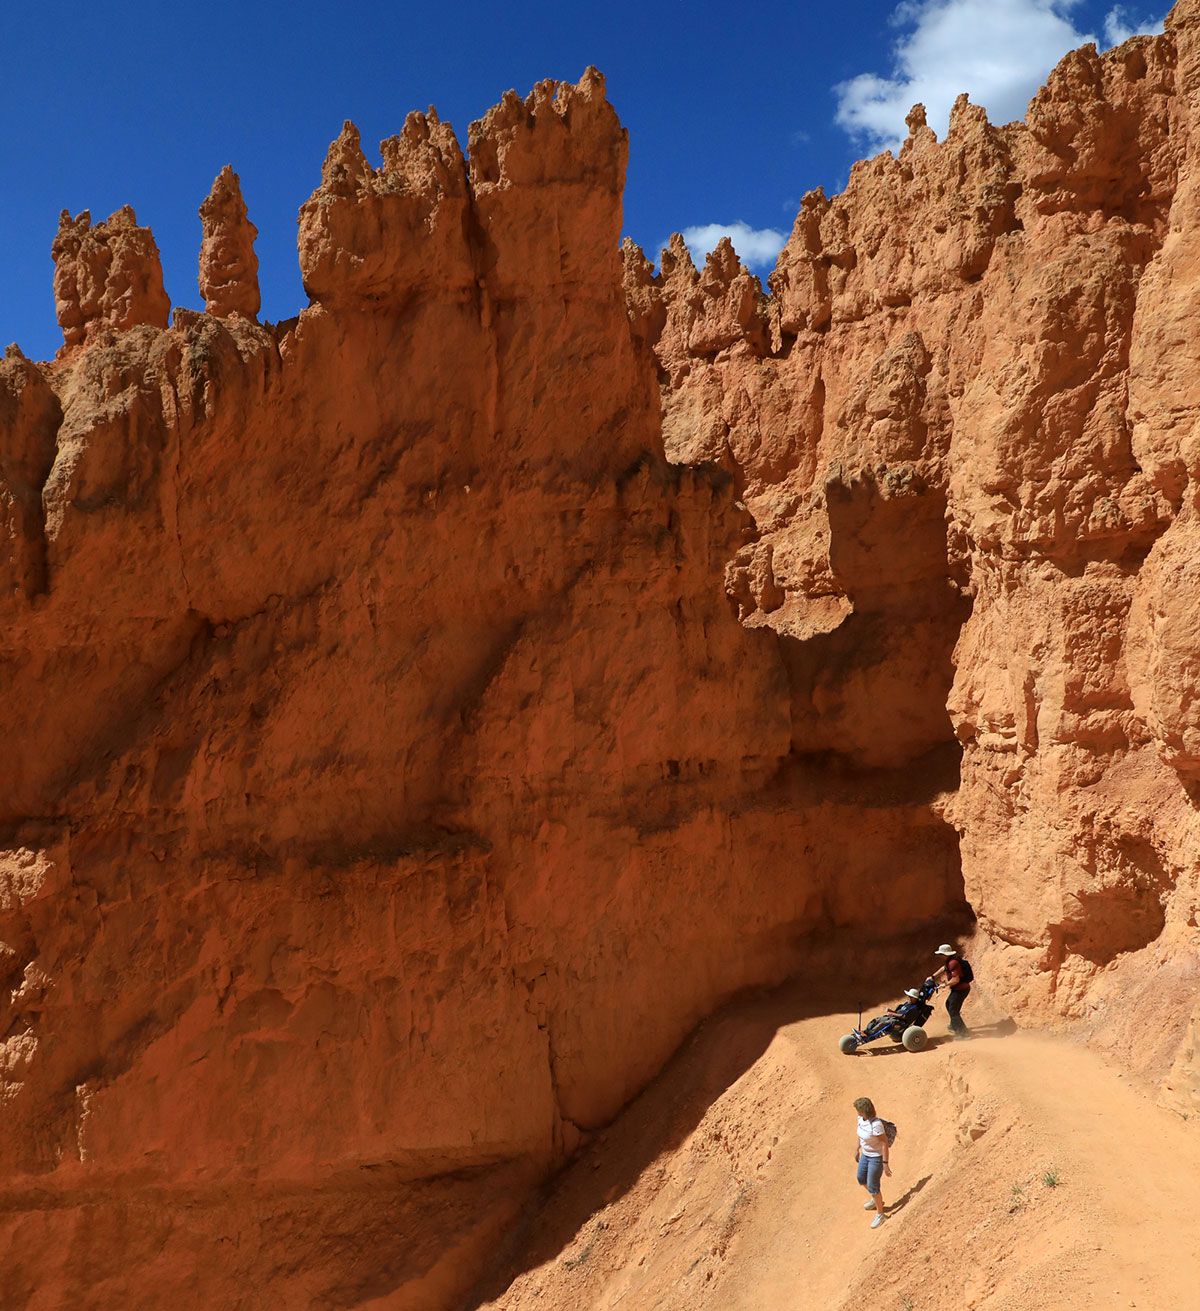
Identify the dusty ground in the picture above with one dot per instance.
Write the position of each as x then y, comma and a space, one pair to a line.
1029, 1174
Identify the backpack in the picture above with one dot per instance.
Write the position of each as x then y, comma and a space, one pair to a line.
968, 974
889, 1130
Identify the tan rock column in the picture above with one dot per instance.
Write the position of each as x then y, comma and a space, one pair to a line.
228, 264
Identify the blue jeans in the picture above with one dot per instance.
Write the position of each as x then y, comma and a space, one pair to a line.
870, 1171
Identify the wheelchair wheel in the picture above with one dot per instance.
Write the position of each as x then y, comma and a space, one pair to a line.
849, 1044
915, 1038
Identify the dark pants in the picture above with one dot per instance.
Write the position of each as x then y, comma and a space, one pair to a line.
954, 1001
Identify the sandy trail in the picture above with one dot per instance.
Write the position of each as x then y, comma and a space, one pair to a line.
1030, 1175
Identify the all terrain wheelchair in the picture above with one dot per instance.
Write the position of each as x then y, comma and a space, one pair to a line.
905, 1024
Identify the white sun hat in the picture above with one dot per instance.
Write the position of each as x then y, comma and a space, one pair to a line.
946, 950
913, 993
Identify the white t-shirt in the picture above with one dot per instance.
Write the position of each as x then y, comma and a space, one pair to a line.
869, 1129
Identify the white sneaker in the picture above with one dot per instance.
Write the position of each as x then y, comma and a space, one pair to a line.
879, 1219
869, 1204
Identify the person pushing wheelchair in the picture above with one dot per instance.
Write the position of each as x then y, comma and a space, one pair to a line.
959, 976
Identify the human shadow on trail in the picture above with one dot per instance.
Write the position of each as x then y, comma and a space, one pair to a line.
901, 1202
660, 1119
997, 1029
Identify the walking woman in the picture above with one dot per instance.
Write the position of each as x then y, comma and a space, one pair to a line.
871, 1156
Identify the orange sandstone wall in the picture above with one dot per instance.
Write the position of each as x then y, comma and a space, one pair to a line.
421, 712
388, 781
964, 423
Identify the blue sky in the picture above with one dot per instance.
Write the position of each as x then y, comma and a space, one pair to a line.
733, 114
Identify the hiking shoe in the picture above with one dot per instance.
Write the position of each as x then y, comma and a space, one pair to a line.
961, 1037
877, 1222
869, 1204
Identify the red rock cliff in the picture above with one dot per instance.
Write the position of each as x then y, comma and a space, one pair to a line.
422, 712
389, 783
963, 424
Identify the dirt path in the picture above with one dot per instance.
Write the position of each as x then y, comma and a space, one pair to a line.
1029, 1175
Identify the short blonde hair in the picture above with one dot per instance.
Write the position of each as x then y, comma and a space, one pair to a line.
865, 1107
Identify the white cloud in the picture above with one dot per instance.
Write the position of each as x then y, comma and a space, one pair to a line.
757, 247
1120, 25
999, 53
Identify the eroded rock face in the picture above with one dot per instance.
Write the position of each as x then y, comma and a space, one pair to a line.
421, 713
391, 785
30, 416
107, 277
970, 455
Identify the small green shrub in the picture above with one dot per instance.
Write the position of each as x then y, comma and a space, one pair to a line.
571, 1262
1050, 1177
